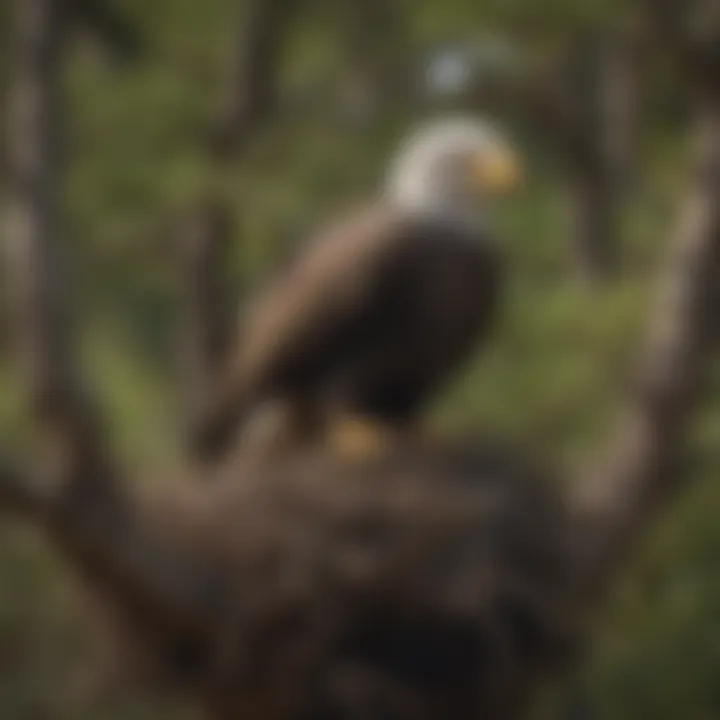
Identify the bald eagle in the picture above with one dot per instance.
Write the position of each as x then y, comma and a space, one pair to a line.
380, 308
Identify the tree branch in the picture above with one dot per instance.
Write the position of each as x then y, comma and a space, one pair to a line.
78, 478
251, 99
68, 432
253, 92
156, 585
641, 467
79, 501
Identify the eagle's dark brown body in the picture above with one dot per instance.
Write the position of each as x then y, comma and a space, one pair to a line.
369, 320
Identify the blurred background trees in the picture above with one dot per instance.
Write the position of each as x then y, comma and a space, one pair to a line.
160, 144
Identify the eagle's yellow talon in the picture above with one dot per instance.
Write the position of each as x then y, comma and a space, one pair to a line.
359, 438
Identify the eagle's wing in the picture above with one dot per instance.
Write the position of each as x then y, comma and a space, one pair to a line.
319, 296
306, 309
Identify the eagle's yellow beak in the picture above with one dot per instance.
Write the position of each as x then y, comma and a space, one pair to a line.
498, 172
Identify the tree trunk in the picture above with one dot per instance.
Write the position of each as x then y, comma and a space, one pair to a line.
67, 434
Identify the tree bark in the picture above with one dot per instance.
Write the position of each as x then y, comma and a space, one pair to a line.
253, 93
641, 467
74, 493
68, 431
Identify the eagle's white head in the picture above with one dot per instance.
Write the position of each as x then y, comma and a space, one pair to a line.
450, 167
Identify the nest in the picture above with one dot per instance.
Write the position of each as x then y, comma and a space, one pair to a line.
429, 583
